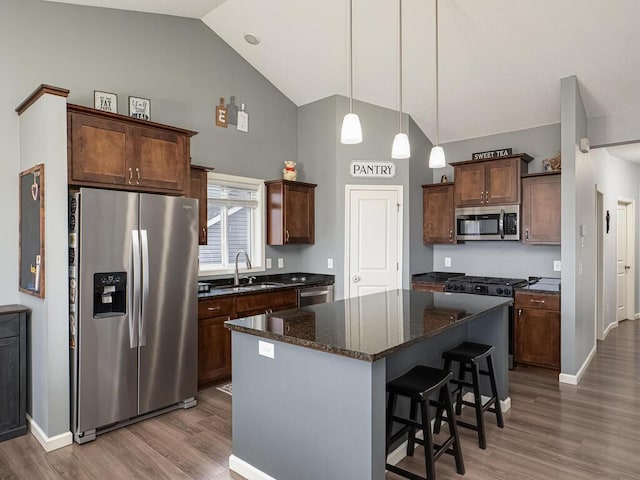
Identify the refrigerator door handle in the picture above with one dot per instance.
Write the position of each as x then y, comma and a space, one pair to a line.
134, 312
145, 285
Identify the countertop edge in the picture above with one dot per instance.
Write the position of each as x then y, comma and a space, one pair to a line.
354, 354
207, 295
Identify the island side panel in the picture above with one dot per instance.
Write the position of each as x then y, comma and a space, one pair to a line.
493, 329
306, 413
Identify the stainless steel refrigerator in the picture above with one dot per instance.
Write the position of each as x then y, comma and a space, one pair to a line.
133, 307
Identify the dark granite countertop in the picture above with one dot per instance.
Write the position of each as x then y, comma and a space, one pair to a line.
394, 320
543, 285
434, 277
220, 288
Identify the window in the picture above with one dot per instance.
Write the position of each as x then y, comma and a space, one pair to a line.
235, 222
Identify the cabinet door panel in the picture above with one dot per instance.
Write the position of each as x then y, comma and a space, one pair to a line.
299, 214
10, 383
258, 303
214, 349
198, 190
502, 181
101, 150
438, 214
469, 184
161, 161
541, 220
538, 337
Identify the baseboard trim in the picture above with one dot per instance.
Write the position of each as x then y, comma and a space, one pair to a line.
610, 327
400, 452
575, 379
247, 470
49, 443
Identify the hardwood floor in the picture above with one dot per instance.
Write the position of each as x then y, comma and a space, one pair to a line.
558, 431
552, 431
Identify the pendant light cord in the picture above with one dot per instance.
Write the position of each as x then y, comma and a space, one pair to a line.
350, 56
400, 62
437, 81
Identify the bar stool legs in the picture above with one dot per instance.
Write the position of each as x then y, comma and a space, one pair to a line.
469, 355
418, 385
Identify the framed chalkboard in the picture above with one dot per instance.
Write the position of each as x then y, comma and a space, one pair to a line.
32, 231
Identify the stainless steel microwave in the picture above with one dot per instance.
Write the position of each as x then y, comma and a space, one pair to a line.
488, 223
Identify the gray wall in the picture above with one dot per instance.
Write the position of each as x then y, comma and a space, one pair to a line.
615, 128
616, 178
179, 63
578, 253
511, 259
326, 161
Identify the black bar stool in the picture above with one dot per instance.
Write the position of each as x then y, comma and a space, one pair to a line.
419, 384
469, 355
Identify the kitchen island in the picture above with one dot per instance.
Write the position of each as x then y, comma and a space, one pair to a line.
309, 384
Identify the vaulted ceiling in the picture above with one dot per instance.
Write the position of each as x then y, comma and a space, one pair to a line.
501, 61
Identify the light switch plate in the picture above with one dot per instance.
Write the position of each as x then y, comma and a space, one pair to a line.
266, 349
329, 262
268, 263
557, 266
447, 261
281, 263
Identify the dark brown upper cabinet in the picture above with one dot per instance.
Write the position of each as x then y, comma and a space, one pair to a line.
438, 222
541, 206
290, 212
198, 190
114, 151
489, 182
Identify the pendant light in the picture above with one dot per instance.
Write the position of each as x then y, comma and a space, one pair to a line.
351, 130
436, 158
400, 149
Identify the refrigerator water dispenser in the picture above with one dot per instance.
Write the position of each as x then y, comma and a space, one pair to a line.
109, 294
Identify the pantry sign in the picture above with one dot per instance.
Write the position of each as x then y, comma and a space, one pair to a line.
362, 169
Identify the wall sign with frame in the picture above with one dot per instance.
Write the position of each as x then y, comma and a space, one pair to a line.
105, 101
32, 231
140, 108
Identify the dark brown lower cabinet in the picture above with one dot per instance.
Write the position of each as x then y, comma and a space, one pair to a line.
214, 339
13, 371
537, 329
428, 287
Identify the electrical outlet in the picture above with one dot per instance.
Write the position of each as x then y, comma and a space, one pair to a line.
557, 266
281, 263
266, 349
268, 263
329, 262
447, 261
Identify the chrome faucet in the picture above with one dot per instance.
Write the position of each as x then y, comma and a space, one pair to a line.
236, 279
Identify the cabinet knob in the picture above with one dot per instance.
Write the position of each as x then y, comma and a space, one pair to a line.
481, 197
213, 309
204, 232
130, 176
451, 235
286, 236
533, 300
526, 234
138, 176
486, 196
519, 312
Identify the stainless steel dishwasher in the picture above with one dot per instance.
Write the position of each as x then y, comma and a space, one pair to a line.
313, 295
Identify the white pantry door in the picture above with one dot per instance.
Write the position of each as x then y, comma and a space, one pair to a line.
624, 262
374, 239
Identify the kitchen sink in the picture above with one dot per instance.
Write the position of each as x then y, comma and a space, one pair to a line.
247, 287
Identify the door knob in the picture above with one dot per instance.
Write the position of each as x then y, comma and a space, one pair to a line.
627, 267
356, 278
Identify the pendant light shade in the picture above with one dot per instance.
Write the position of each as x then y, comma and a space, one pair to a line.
436, 158
351, 130
400, 149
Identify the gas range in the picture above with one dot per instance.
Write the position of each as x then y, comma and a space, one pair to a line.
499, 287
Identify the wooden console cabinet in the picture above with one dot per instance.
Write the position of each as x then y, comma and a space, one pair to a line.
438, 214
537, 329
214, 339
107, 150
489, 182
541, 208
13, 371
290, 212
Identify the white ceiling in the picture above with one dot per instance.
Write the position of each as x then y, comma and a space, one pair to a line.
629, 152
501, 61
